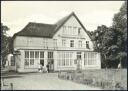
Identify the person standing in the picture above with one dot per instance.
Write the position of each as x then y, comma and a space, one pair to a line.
47, 67
40, 68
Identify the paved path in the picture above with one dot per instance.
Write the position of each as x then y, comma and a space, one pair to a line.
45, 81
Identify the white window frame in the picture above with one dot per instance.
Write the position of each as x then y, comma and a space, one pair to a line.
34, 58
65, 59
91, 58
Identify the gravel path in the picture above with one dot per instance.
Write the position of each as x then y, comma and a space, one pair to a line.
45, 81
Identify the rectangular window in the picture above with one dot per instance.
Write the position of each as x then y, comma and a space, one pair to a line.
50, 55
87, 44
36, 54
45, 42
31, 54
93, 56
71, 59
74, 30
26, 62
69, 29
31, 57
90, 58
80, 43
41, 54
64, 29
31, 61
65, 59
78, 55
71, 43
26, 58
85, 59
79, 29
55, 42
26, 54
63, 43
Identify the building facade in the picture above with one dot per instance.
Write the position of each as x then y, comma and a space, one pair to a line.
63, 45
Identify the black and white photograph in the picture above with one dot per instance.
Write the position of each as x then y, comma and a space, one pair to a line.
63, 45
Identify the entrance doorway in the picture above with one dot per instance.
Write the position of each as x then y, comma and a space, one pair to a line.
79, 61
50, 61
41, 57
42, 62
79, 55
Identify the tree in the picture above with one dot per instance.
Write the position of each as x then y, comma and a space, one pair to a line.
120, 25
112, 41
5, 40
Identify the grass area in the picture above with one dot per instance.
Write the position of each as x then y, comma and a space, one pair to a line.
105, 78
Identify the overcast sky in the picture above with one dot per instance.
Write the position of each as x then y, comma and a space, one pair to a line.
16, 14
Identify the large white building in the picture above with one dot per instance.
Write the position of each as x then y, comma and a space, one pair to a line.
61, 44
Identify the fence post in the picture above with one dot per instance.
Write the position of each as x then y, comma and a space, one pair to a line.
11, 84
59, 74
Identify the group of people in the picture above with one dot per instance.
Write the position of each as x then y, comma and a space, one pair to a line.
44, 68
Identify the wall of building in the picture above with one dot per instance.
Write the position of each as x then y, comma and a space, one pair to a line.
20, 61
70, 36
95, 65
32, 43
23, 43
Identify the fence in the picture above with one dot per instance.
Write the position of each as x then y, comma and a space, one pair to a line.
6, 86
107, 79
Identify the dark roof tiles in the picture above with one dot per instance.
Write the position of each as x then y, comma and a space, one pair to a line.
37, 29
45, 30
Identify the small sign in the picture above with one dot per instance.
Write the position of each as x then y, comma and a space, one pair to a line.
16, 53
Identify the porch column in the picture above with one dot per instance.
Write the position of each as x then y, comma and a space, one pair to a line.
45, 58
55, 56
20, 61
82, 57
87, 57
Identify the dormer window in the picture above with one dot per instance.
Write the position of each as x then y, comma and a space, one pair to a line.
87, 44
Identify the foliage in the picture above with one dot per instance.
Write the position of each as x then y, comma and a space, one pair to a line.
5, 42
112, 41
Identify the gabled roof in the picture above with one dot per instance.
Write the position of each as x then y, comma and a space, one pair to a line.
45, 30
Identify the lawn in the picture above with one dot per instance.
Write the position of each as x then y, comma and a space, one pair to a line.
108, 79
